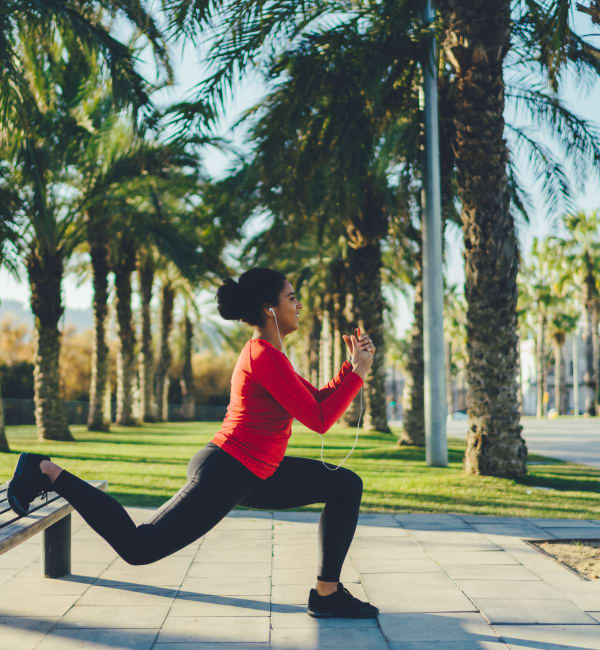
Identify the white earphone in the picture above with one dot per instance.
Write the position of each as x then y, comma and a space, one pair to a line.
332, 469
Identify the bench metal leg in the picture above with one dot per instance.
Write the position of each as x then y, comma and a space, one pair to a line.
56, 554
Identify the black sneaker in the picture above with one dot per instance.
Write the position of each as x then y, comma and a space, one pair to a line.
340, 604
27, 483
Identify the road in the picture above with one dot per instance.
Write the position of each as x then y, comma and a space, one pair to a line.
573, 439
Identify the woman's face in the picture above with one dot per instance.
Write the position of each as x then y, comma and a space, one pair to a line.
288, 310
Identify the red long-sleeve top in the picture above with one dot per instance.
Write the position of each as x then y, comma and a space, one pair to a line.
266, 395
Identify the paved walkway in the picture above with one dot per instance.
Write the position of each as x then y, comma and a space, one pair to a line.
576, 440
442, 582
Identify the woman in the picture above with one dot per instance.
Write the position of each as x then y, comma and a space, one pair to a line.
244, 464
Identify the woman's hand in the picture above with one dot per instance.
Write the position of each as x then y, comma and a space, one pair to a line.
361, 353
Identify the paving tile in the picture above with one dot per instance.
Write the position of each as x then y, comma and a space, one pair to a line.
520, 529
472, 557
45, 586
308, 576
489, 572
98, 639
536, 589
233, 544
220, 557
33, 605
595, 615
301, 620
550, 637
388, 552
471, 644
79, 570
211, 646
575, 533
531, 611
144, 576
7, 574
253, 534
393, 565
420, 595
238, 569
228, 586
128, 595
586, 596
440, 627
343, 638
211, 605
22, 632
115, 616
186, 629
566, 523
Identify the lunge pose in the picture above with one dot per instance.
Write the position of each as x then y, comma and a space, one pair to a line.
244, 464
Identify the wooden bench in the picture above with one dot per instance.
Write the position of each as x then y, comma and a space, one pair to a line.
53, 517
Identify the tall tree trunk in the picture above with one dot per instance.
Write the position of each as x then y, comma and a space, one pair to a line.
3, 441
313, 344
187, 378
413, 418
590, 331
45, 270
98, 418
449, 381
476, 41
164, 353
364, 265
326, 342
541, 364
558, 340
126, 362
520, 393
146, 356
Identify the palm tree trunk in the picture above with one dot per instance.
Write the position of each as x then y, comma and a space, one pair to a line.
589, 333
313, 345
164, 354
326, 352
365, 267
413, 418
45, 270
476, 40
98, 418
541, 364
187, 378
449, 379
126, 362
559, 378
146, 357
3, 441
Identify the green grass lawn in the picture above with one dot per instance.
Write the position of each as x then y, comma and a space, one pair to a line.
145, 466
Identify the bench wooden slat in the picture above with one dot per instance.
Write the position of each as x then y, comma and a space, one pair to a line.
42, 517
8, 516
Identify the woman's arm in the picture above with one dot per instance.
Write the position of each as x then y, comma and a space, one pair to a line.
273, 371
321, 393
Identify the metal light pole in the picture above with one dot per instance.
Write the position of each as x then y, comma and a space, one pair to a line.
436, 445
575, 374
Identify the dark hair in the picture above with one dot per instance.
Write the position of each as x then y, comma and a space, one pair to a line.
244, 299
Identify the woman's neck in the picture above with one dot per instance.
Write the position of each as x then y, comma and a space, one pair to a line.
268, 334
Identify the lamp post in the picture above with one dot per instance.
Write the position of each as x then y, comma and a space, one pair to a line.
436, 446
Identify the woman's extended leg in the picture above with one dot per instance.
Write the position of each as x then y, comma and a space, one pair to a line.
216, 484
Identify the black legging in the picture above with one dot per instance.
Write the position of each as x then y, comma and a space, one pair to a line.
216, 483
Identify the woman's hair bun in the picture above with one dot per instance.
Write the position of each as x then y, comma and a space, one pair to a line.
230, 300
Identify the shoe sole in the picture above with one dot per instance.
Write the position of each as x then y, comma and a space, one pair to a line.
333, 615
12, 500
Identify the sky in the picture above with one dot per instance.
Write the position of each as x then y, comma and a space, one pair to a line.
189, 70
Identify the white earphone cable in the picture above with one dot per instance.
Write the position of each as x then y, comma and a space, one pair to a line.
332, 469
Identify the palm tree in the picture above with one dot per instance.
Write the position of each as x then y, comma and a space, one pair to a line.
49, 52
582, 256
9, 239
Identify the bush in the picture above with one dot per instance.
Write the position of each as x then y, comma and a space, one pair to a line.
212, 377
17, 380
